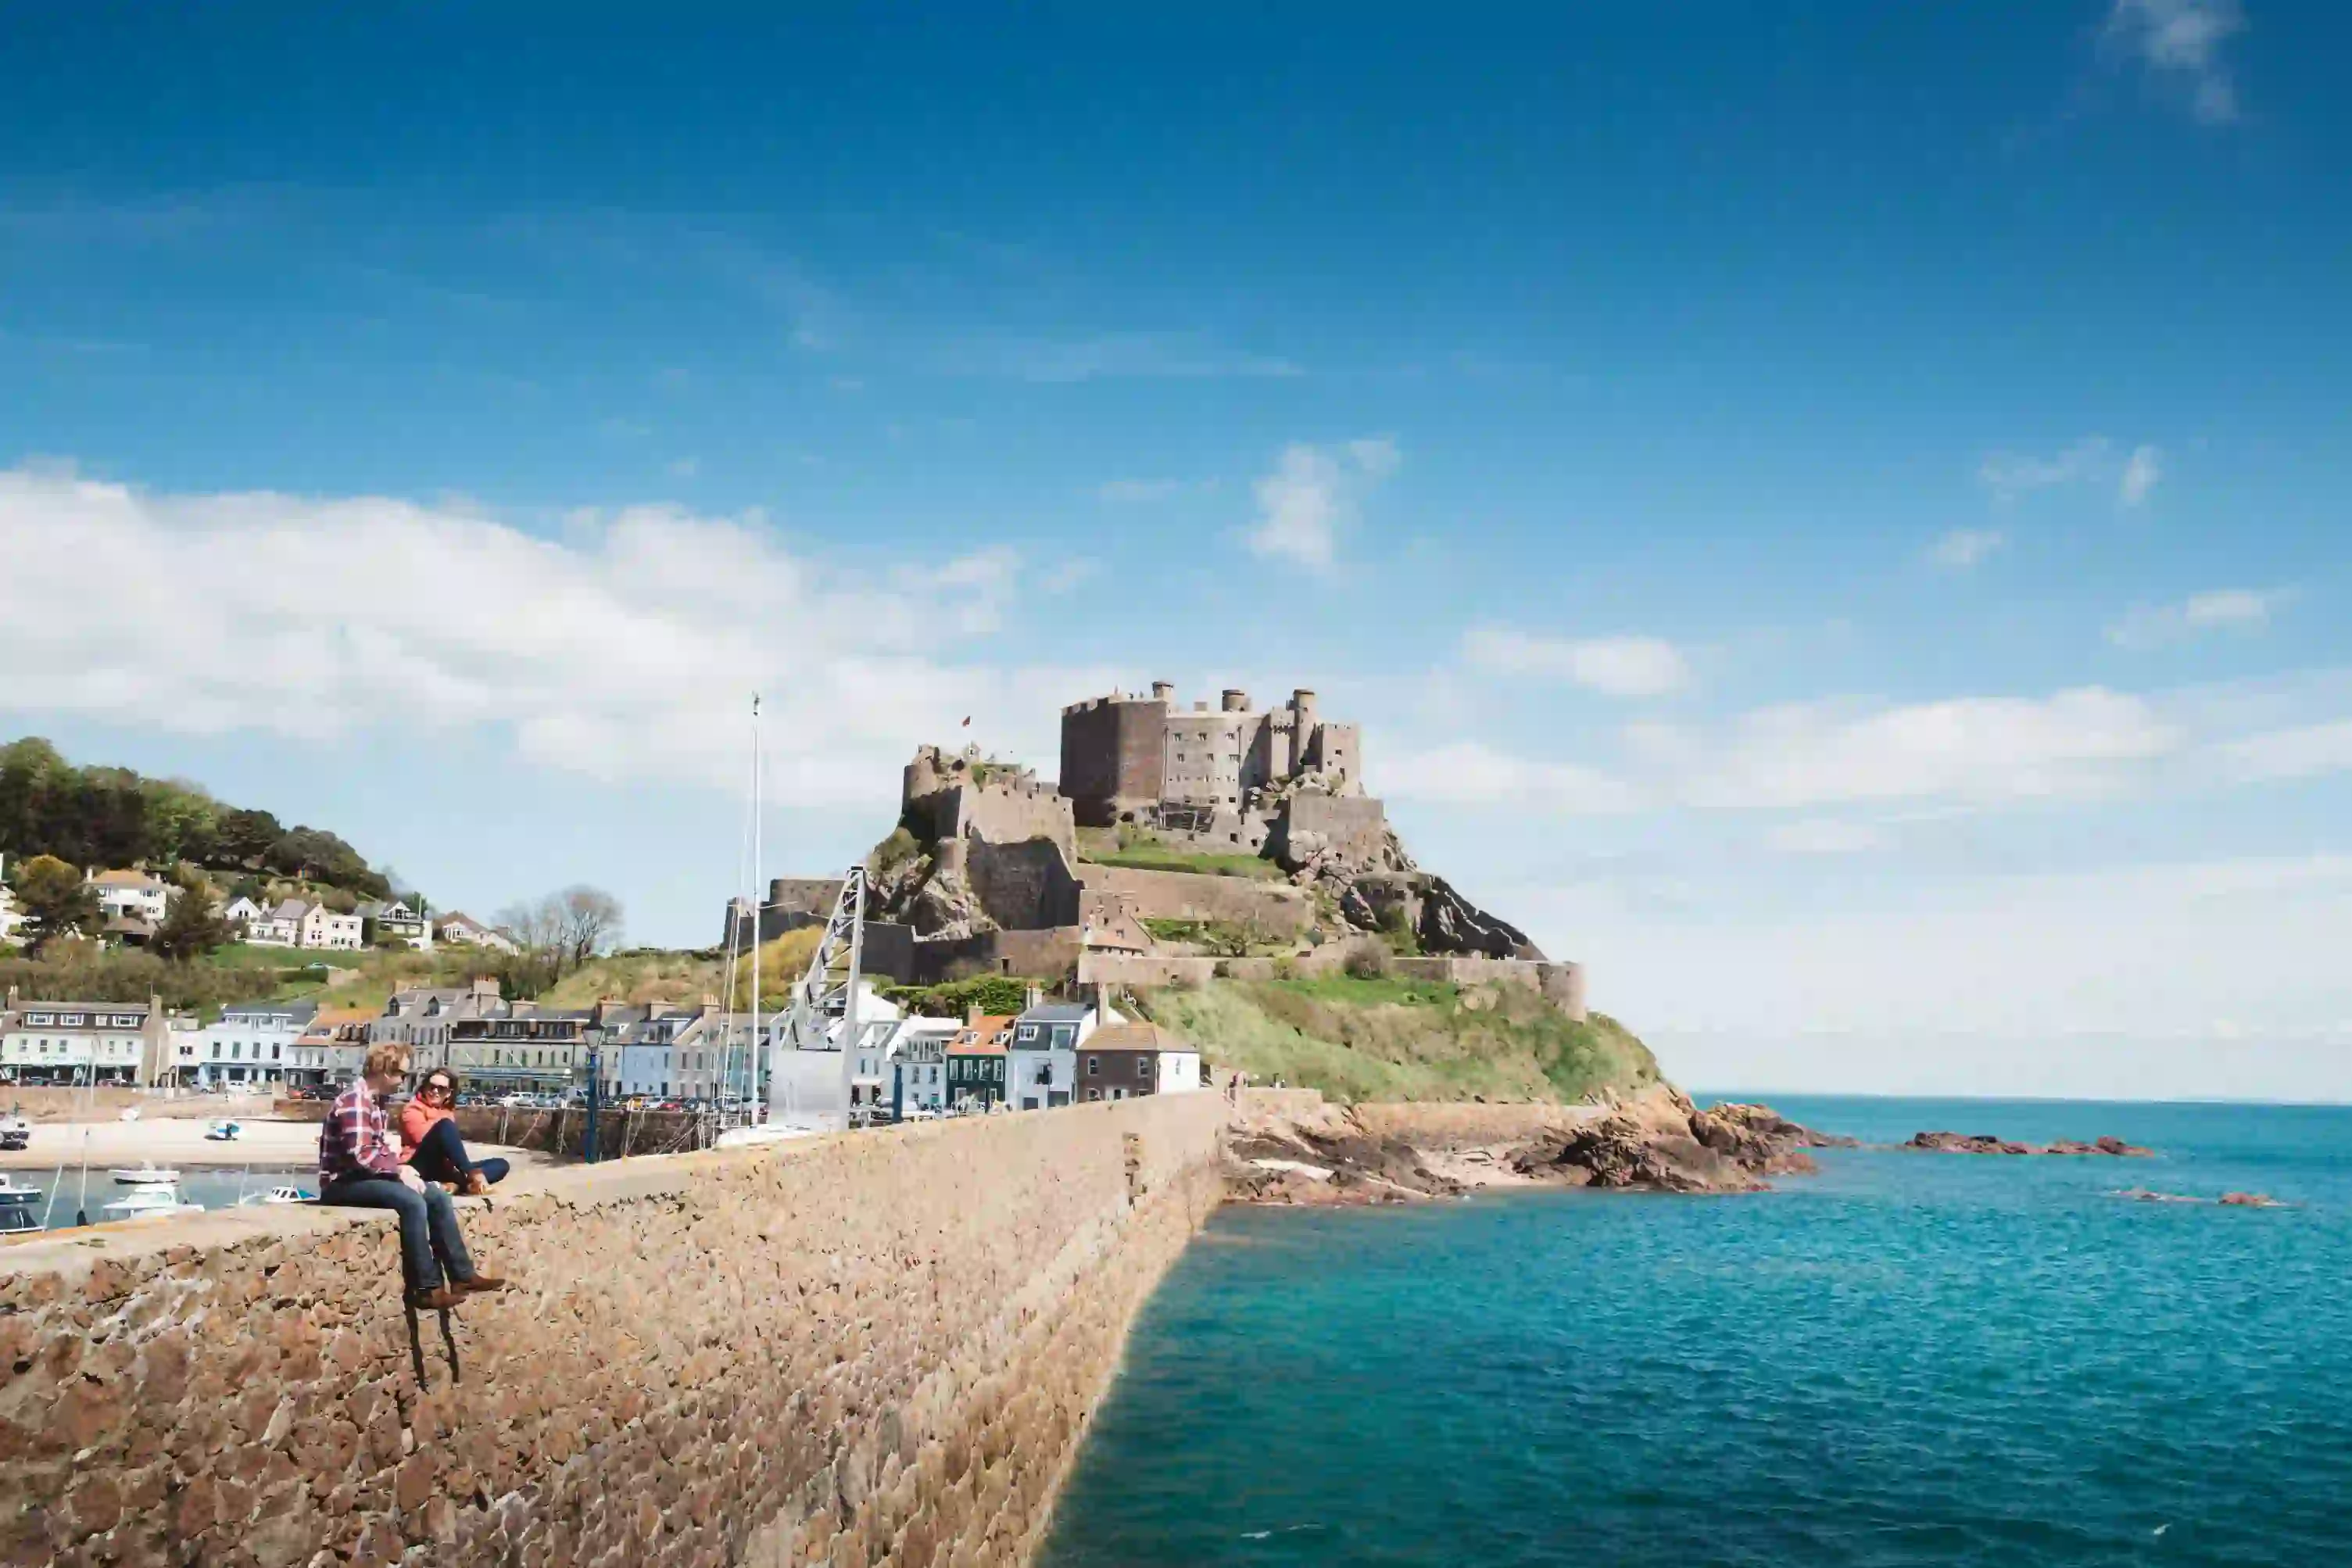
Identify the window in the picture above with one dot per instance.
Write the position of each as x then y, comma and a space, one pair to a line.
1093, 1067
1094, 1094
1064, 1036
1143, 1066
1028, 1033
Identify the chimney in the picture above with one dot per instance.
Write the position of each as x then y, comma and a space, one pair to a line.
1235, 701
1036, 998
972, 1016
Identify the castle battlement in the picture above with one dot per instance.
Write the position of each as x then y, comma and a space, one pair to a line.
1125, 757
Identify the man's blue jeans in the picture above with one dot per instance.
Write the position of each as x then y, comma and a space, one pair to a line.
428, 1226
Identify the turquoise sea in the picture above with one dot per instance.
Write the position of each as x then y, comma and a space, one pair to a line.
1910, 1359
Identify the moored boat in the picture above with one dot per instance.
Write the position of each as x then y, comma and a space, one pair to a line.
150, 1200
145, 1175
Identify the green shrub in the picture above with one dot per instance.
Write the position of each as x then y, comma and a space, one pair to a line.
1368, 963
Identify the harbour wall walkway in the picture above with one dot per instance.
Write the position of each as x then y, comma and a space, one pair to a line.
875, 1348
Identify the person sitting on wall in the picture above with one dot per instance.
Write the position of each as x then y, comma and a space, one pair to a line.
360, 1167
429, 1127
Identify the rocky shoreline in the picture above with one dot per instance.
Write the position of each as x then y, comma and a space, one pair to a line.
1655, 1141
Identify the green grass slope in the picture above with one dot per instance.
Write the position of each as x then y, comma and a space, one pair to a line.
1388, 1039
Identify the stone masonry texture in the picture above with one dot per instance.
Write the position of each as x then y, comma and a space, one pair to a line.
875, 1348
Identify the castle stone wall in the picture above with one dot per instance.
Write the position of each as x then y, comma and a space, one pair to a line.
1049, 954
1024, 884
1283, 911
881, 1347
1354, 826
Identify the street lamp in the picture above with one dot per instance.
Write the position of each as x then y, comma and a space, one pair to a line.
594, 1035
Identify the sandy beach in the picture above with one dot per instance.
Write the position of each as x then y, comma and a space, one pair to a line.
181, 1142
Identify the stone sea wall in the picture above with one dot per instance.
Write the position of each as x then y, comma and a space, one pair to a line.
874, 1348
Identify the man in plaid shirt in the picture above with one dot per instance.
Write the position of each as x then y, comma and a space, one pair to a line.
359, 1167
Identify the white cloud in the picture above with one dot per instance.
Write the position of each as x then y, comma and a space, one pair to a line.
2180, 41
2093, 461
1966, 547
2302, 752
1312, 495
1824, 836
2222, 609
624, 649
1471, 773
1615, 666
1968, 750
2141, 470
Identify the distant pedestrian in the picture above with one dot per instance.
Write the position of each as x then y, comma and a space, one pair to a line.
360, 1167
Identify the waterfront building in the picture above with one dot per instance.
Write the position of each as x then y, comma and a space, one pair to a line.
919, 1063
1042, 1057
975, 1062
252, 1045
421, 1018
1123, 1061
76, 1043
330, 1050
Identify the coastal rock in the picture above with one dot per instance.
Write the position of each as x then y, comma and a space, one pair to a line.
2227, 1200
1662, 1143
1986, 1143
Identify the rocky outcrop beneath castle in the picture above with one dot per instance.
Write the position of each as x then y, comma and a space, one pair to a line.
1306, 1151
1660, 1142
1986, 1143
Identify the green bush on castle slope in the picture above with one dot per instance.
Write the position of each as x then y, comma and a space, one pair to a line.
1384, 1039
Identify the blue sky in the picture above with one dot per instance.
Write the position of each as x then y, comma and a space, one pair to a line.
1833, 513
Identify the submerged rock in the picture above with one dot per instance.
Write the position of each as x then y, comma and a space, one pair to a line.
1986, 1143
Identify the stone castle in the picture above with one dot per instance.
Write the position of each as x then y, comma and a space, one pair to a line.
988, 873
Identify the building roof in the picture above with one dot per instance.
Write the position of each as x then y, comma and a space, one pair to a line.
300, 1011
144, 881
27, 1004
1135, 1037
1059, 1013
289, 909
983, 1036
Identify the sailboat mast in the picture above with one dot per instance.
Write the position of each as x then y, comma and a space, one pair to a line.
751, 1047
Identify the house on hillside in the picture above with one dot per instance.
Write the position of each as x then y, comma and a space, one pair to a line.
467, 931
324, 930
278, 926
391, 919
12, 919
242, 915
975, 1062
1122, 1061
132, 896
1042, 1058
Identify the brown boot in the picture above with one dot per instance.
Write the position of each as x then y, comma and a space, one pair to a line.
440, 1299
475, 1185
481, 1284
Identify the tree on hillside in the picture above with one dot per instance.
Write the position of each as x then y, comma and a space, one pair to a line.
588, 922
55, 899
242, 838
191, 928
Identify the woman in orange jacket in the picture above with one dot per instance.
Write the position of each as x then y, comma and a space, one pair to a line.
428, 1128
